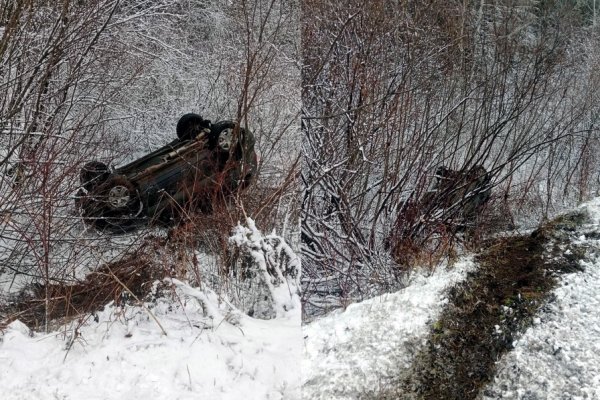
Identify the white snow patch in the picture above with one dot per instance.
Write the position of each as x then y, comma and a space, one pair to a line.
559, 357
277, 262
358, 351
593, 209
206, 354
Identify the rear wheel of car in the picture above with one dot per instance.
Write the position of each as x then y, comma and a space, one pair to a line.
93, 174
114, 206
189, 125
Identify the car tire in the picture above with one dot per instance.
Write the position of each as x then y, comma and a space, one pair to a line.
189, 125
113, 206
221, 135
93, 174
118, 193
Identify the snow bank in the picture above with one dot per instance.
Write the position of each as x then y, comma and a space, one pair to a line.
189, 343
209, 352
359, 350
559, 357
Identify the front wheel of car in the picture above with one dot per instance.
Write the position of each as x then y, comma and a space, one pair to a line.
114, 206
222, 134
119, 194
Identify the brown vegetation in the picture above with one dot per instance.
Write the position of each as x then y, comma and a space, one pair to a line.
129, 278
488, 311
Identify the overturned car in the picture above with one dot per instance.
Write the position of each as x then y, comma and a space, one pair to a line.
453, 203
459, 196
206, 163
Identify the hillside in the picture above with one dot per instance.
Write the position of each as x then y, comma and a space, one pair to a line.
460, 331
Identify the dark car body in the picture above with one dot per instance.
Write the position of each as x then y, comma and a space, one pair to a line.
453, 204
210, 163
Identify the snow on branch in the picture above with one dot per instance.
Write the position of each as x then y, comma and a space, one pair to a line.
209, 301
277, 263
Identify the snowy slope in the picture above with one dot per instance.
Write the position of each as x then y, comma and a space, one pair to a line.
358, 351
559, 357
125, 355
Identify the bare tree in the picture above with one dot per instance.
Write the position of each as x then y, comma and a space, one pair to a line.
393, 90
107, 80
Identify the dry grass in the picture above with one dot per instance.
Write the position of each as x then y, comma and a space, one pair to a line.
60, 303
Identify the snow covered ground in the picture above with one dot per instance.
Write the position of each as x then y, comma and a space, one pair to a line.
350, 353
125, 355
213, 351
559, 357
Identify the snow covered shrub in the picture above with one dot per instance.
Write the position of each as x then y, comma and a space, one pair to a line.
269, 271
381, 112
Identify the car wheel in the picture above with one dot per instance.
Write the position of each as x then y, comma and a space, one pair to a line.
222, 134
119, 196
117, 193
93, 174
190, 125
114, 206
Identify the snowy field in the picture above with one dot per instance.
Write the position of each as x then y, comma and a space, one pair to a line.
350, 353
210, 351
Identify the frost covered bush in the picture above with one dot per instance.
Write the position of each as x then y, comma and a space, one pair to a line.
385, 106
268, 270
